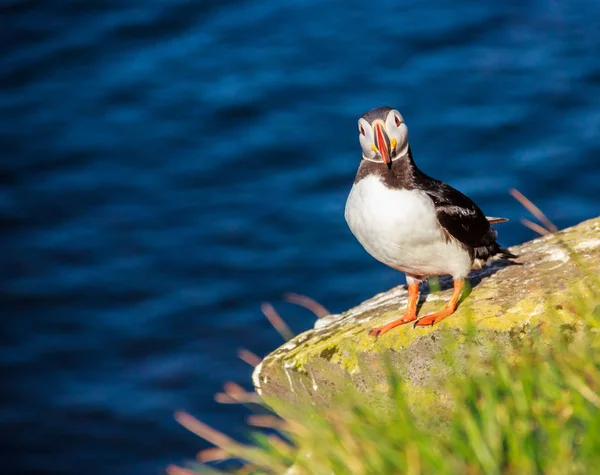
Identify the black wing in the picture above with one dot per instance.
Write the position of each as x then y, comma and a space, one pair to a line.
460, 216
463, 220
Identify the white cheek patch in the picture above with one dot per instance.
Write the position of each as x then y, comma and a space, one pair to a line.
366, 141
390, 121
399, 133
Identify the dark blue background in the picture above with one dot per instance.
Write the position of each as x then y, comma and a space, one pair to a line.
168, 165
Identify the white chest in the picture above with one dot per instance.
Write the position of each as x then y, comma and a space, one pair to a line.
400, 229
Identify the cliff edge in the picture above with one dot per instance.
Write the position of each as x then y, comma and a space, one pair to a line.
506, 301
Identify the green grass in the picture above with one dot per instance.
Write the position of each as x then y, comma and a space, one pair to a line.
536, 412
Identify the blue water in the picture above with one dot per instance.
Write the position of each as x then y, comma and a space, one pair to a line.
168, 165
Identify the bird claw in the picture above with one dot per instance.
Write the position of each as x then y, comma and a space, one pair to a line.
388, 326
433, 318
424, 321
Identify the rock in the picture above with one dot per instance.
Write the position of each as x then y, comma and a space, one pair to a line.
505, 301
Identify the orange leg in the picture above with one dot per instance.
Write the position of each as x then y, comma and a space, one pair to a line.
436, 317
409, 316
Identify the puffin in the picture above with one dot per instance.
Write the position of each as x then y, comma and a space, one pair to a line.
412, 222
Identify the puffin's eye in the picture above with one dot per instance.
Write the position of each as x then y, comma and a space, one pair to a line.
362, 131
397, 121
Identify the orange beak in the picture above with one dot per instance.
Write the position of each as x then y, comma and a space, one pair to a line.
382, 146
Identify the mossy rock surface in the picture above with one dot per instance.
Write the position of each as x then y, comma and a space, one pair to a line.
505, 302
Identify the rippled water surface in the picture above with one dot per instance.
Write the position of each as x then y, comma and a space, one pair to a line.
168, 165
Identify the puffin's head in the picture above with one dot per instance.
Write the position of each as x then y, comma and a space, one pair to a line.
383, 135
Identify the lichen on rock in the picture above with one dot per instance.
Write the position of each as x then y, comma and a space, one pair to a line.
505, 301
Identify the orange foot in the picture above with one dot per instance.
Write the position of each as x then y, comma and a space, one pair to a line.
409, 316
436, 317
388, 326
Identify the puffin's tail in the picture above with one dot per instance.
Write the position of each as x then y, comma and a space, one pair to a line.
484, 253
496, 249
503, 252
493, 220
